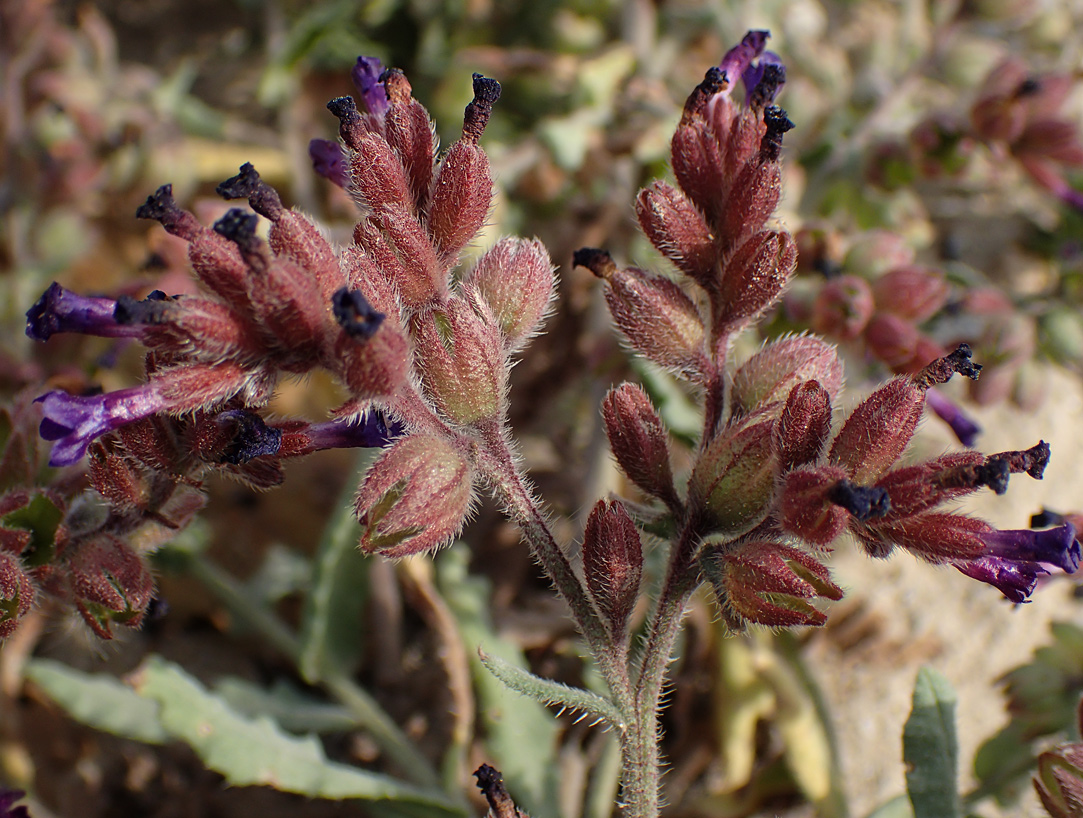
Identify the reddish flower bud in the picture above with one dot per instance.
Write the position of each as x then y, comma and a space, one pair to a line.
891, 339
638, 439
678, 231
463, 188
733, 481
913, 293
190, 327
363, 275
613, 563
1000, 112
415, 498
805, 508
110, 584
16, 593
767, 583
803, 426
878, 430
462, 363
751, 201
753, 280
377, 178
372, 368
770, 375
515, 278
934, 536
843, 308
654, 314
416, 274
696, 153
410, 133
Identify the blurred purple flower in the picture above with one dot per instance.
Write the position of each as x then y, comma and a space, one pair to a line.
366, 78
7, 804
61, 310
73, 421
329, 161
964, 427
740, 57
1015, 559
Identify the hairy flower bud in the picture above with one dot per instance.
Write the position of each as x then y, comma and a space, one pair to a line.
753, 280
409, 132
805, 508
696, 154
733, 481
891, 339
913, 293
462, 187
767, 583
462, 363
770, 375
751, 201
110, 584
415, 498
638, 439
654, 314
370, 354
515, 278
678, 231
612, 563
803, 426
843, 308
16, 593
377, 178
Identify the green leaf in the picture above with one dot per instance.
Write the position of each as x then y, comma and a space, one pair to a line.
331, 626
41, 517
98, 700
549, 692
930, 749
520, 735
291, 709
255, 752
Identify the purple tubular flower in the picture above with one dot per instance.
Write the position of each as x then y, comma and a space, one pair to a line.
73, 421
740, 57
763, 80
372, 431
964, 427
61, 310
329, 161
1015, 559
366, 78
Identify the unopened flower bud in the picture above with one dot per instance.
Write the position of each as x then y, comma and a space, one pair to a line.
462, 187
462, 362
415, 498
805, 508
654, 314
803, 426
16, 593
416, 274
770, 375
189, 326
409, 132
891, 339
753, 280
377, 177
612, 563
733, 481
912, 293
696, 153
676, 228
751, 201
515, 278
767, 583
638, 439
371, 354
843, 308
110, 584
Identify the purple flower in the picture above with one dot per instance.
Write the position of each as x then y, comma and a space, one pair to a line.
740, 57
73, 421
763, 80
329, 161
1015, 559
366, 78
964, 427
7, 804
61, 310
371, 431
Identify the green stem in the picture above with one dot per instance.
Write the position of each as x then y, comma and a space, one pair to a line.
368, 713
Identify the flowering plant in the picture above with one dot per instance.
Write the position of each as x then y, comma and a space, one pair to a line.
424, 353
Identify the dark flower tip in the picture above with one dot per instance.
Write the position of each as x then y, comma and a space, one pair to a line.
1045, 518
342, 107
239, 226
248, 185
864, 503
61, 310
941, 370
486, 93
159, 206
252, 437
151, 310
597, 261
354, 314
777, 125
714, 82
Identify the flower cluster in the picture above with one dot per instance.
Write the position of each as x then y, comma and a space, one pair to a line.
771, 485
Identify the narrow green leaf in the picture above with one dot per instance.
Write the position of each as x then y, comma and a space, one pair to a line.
291, 709
98, 700
930, 749
547, 691
520, 735
331, 633
251, 752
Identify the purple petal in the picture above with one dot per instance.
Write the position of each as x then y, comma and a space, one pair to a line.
962, 425
329, 161
373, 431
73, 421
1016, 580
366, 78
1053, 546
739, 57
61, 310
763, 80
7, 801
